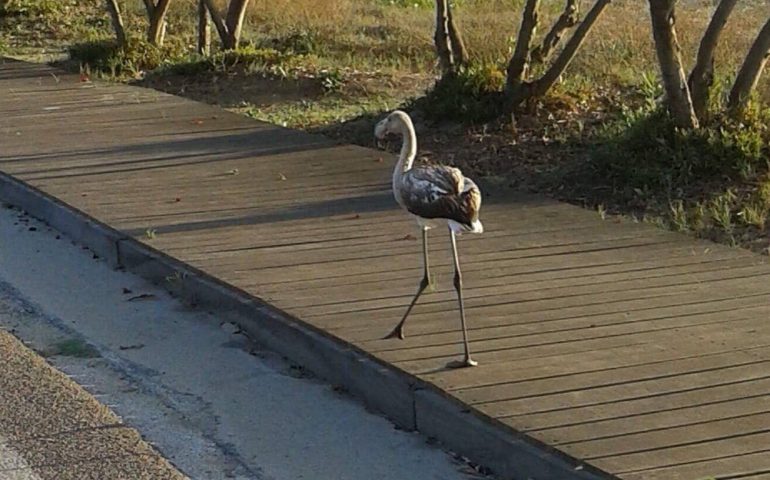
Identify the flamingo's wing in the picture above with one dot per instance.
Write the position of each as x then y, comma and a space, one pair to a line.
441, 192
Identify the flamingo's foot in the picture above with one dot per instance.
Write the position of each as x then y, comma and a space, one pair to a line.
465, 363
397, 332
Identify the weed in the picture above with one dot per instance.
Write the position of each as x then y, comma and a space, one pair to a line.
754, 215
331, 81
602, 211
294, 42
763, 192
720, 210
678, 216
698, 217
650, 88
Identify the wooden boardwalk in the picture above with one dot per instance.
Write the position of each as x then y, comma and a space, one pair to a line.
642, 352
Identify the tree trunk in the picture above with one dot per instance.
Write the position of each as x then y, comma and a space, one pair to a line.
702, 75
750, 71
459, 52
149, 5
539, 87
235, 16
442, 39
117, 22
519, 64
216, 19
204, 29
228, 28
667, 49
567, 19
157, 28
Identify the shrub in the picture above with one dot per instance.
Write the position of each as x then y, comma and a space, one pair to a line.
30, 8
471, 95
137, 56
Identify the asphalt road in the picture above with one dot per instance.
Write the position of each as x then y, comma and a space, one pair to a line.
212, 403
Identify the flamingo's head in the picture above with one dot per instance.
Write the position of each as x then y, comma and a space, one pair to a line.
394, 124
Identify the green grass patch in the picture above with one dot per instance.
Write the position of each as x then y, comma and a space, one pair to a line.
322, 112
73, 347
247, 59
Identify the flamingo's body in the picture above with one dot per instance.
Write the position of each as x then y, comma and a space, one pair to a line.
433, 194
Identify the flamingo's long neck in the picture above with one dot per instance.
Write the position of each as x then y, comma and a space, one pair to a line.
408, 147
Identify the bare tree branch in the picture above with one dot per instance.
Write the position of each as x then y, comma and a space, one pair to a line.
217, 20
539, 87
442, 39
568, 19
149, 5
117, 22
235, 15
750, 71
667, 49
459, 52
229, 28
702, 75
519, 64
158, 22
204, 29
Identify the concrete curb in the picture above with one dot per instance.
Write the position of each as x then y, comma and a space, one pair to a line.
409, 402
100, 238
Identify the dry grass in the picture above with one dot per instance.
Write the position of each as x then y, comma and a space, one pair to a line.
374, 33
383, 35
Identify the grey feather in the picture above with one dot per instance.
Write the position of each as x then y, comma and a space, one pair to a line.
438, 191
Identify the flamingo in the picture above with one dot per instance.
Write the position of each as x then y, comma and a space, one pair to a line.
434, 195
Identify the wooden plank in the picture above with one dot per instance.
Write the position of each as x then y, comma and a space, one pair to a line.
523, 404
590, 361
664, 416
725, 466
640, 411
538, 306
527, 382
735, 447
635, 447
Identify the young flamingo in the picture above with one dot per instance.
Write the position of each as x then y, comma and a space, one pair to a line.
435, 195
